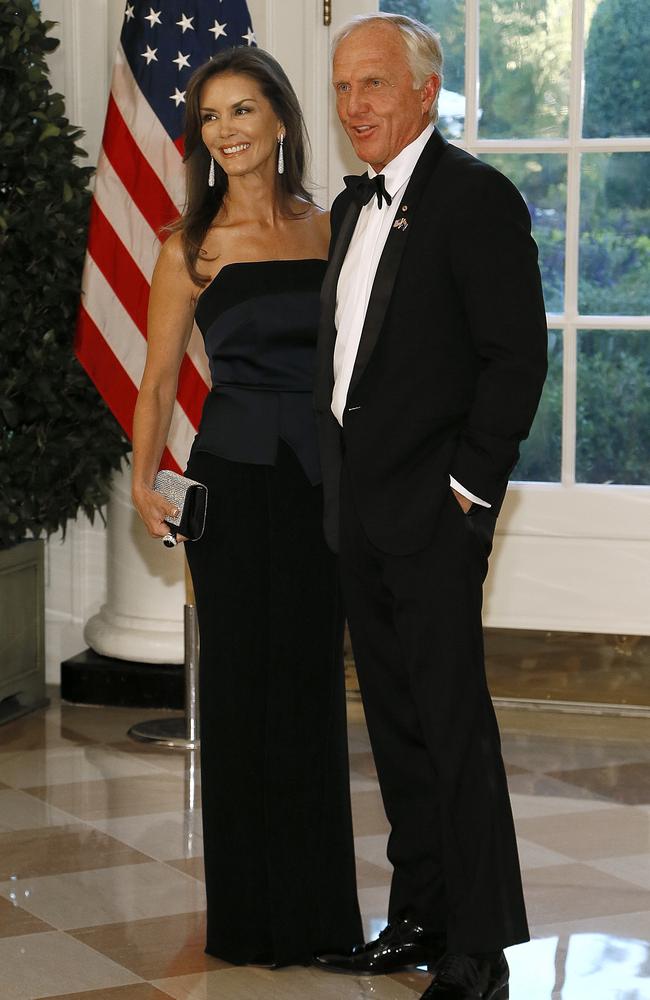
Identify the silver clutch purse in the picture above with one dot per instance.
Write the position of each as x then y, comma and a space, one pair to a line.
191, 499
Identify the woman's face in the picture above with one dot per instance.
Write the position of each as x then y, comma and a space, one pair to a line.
239, 126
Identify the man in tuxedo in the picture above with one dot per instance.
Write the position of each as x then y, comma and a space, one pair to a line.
432, 356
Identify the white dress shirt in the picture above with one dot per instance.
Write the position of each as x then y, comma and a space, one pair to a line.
358, 272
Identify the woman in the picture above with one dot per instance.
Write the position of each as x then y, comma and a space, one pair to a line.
246, 260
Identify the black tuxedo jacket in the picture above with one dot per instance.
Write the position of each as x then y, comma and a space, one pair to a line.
452, 356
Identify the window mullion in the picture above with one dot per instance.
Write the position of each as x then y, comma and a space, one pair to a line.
472, 68
569, 394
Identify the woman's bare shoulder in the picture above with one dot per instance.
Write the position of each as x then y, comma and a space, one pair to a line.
172, 255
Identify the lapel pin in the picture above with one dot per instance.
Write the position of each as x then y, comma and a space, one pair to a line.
400, 224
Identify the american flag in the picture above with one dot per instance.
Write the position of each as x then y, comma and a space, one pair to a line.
139, 189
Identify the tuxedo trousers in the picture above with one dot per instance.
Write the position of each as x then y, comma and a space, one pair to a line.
415, 625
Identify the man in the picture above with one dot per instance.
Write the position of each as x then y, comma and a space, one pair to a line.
432, 357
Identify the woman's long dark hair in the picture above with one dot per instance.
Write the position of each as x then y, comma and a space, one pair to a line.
203, 202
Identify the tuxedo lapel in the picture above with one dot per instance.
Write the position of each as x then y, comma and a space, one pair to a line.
327, 327
391, 257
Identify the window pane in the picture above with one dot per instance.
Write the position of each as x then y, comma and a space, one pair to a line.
613, 414
617, 68
541, 453
525, 56
615, 234
542, 181
447, 17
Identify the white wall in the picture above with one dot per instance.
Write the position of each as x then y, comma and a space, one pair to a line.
565, 557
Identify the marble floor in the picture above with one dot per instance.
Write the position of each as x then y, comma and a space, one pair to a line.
101, 892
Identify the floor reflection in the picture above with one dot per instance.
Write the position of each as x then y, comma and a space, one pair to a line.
581, 967
101, 882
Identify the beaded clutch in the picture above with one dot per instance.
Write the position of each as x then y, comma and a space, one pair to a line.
191, 499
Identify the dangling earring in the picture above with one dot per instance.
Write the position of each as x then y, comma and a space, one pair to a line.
211, 174
281, 155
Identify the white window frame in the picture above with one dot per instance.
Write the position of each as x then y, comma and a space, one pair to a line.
570, 321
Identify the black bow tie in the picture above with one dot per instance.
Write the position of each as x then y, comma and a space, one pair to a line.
364, 188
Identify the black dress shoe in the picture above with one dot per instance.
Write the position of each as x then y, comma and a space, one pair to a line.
470, 977
401, 944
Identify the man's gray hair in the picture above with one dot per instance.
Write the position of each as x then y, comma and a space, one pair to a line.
422, 46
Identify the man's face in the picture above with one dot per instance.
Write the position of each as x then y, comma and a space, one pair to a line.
375, 99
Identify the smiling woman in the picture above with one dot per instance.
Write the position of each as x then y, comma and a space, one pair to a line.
246, 261
241, 98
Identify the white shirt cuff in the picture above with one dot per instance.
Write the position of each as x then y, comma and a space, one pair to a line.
455, 485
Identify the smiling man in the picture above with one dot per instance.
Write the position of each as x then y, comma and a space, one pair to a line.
432, 357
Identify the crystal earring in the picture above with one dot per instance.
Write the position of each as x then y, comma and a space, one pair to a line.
281, 155
211, 174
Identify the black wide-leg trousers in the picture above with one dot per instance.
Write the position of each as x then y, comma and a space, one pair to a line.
277, 824
415, 625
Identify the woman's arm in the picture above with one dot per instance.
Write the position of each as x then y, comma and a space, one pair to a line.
169, 327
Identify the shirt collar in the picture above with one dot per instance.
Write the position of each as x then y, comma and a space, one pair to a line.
401, 166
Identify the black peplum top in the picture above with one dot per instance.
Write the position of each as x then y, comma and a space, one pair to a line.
259, 321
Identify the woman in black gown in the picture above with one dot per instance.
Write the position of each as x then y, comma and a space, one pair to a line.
246, 261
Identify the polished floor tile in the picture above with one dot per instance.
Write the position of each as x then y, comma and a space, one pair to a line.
617, 927
44, 851
626, 783
543, 786
20, 811
33, 732
190, 866
282, 984
61, 766
575, 891
155, 948
372, 848
163, 836
529, 806
107, 895
44, 965
91, 800
108, 851
634, 868
368, 813
371, 876
534, 856
139, 991
15, 921
618, 831
158, 757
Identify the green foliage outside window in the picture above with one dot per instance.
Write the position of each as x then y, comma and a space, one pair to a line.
58, 442
613, 407
524, 69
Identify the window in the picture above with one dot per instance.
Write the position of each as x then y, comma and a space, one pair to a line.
556, 94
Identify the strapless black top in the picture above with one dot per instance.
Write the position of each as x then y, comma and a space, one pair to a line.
259, 321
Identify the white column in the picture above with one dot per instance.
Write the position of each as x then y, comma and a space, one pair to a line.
142, 618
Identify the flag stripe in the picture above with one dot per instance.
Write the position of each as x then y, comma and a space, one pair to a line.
129, 224
118, 267
126, 341
134, 170
103, 305
192, 390
163, 155
105, 370
125, 278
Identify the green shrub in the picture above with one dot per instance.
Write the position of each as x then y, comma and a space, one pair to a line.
58, 441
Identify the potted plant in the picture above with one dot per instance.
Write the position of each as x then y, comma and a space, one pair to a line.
58, 442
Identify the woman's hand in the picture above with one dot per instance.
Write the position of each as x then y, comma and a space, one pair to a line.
153, 508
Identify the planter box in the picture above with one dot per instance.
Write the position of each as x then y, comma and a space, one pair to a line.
22, 630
